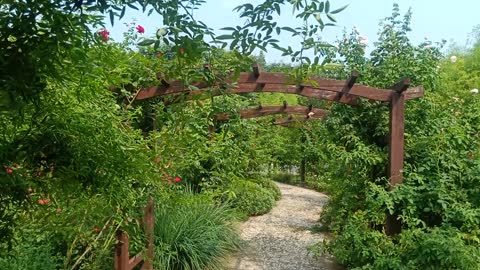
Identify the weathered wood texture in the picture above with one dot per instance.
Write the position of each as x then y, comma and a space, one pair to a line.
396, 144
272, 110
149, 224
122, 260
249, 82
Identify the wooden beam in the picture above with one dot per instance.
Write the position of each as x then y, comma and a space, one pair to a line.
122, 257
272, 110
348, 85
414, 93
396, 139
257, 81
401, 86
256, 70
135, 260
149, 224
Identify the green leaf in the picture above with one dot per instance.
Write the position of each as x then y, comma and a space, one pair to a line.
123, 12
112, 18
277, 8
228, 29
224, 37
327, 6
286, 28
331, 18
321, 7
146, 42
339, 10
132, 6
161, 32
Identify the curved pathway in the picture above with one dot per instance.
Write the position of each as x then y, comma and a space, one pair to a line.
279, 240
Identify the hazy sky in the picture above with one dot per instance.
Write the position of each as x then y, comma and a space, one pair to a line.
434, 19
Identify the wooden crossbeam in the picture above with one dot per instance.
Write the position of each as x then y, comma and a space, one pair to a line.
320, 88
272, 110
401, 86
348, 85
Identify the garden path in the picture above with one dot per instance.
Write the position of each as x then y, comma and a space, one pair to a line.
279, 240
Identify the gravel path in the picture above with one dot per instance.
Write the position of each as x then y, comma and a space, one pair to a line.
279, 240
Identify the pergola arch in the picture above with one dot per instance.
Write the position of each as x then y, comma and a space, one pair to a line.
346, 92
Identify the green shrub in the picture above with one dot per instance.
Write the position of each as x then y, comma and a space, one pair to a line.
193, 233
268, 185
31, 255
440, 248
250, 198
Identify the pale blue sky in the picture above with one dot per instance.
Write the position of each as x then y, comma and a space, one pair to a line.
434, 19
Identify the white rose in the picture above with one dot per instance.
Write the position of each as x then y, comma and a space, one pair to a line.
474, 91
363, 40
453, 59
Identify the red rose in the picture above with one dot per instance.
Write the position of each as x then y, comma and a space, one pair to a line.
9, 170
96, 229
43, 201
140, 29
104, 33
52, 168
182, 50
177, 179
158, 54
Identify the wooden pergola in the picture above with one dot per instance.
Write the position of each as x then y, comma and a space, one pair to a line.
346, 92
256, 81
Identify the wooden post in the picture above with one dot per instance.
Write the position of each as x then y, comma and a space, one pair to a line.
122, 255
396, 144
396, 139
149, 224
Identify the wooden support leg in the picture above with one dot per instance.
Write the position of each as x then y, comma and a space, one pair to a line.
149, 223
396, 153
122, 255
396, 139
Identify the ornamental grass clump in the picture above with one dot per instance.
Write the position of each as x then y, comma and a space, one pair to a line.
191, 232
